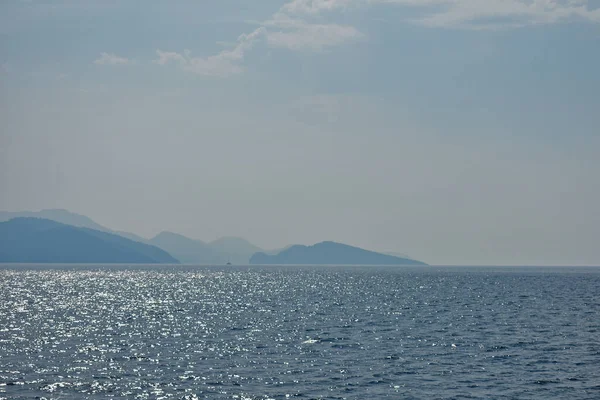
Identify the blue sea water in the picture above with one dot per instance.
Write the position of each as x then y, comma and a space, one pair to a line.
97, 332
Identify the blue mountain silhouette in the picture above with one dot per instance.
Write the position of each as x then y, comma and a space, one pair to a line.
37, 240
327, 253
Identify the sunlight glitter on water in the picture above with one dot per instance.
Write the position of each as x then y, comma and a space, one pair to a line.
279, 333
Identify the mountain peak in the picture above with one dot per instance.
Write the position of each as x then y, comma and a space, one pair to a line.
330, 253
170, 234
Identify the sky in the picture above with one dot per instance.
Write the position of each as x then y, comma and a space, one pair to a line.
454, 131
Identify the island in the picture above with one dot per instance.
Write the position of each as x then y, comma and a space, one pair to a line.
329, 253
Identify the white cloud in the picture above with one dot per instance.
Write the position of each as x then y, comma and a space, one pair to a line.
491, 14
306, 36
298, 25
224, 64
112, 59
465, 13
291, 30
286, 30
297, 7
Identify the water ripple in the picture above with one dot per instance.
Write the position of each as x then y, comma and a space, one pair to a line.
306, 333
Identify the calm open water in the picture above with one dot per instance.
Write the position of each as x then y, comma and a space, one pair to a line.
97, 332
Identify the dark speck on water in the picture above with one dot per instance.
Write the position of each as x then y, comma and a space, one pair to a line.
152, 332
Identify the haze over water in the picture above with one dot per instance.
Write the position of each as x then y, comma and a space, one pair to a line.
456, 132
453, 131
95, 332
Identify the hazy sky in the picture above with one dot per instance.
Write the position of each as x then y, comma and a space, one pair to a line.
456, 131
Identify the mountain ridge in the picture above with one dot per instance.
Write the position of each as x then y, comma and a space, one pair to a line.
330, 253
56, 214
237, 250
186, 250
227, 249
38, 240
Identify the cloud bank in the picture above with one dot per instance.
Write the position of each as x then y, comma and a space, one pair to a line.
224, 64
298, 25
497, 14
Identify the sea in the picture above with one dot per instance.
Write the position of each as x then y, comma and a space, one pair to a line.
298, 332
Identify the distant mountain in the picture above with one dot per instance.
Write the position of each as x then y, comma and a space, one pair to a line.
227, 249
276, 251
396, 254
330, 253
36, 240
68, 218
186, 250
131, 236
58, 215
236, 250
